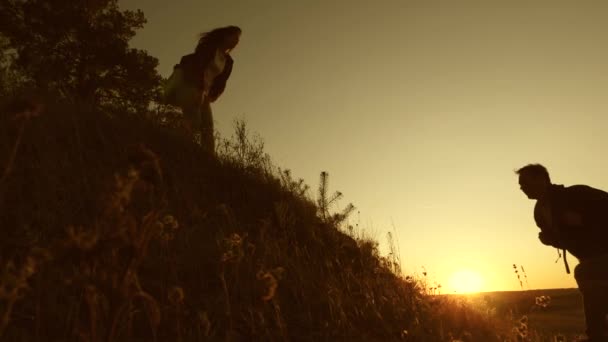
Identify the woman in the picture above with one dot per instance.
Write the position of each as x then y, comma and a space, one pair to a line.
200, 78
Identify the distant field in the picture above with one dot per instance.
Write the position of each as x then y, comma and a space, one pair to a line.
563, 315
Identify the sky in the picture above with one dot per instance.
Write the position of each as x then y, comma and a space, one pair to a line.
420, 111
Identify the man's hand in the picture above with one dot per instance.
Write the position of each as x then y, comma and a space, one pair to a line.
549, 239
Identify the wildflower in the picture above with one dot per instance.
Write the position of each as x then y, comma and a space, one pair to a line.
82, 239
270, 284
559, 338
235, 240
233, 246
269, 278
542, 301
204, 322
29, 267
167, 227
170, 221
176, 295
524, 320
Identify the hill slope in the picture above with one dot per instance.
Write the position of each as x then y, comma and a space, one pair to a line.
118, 229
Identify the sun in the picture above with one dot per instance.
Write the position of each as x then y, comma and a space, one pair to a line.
466, 281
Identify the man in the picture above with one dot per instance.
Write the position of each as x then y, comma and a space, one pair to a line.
575, 219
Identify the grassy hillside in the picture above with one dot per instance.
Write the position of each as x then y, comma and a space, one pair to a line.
123, 230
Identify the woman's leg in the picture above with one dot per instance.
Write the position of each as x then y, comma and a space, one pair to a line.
171, 86
207, 132
189, 99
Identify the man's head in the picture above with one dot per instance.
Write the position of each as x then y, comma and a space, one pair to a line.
534, 180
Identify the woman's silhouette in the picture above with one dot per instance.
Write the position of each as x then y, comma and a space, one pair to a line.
200, 78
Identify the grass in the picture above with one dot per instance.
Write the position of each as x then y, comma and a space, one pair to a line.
122, 229
562, 316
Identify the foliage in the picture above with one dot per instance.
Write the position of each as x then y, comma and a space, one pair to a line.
79, 51
8, 78
324, 202
244, 150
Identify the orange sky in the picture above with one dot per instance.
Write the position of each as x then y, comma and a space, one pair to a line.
420, 113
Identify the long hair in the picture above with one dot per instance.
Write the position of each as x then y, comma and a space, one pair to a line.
212, 40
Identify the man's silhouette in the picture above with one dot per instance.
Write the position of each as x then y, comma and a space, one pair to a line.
575, 219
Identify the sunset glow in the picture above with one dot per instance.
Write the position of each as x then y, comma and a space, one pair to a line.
466, 281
